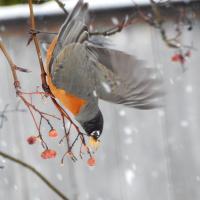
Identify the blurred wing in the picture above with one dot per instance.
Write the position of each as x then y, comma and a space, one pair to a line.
74, 28
122, 79
74, 25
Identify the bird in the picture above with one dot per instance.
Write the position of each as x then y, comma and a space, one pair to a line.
81, 70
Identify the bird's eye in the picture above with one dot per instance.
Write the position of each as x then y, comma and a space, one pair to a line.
96, 134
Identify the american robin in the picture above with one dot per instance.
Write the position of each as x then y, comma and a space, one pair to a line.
80, 71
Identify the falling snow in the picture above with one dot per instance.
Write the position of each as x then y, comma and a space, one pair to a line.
94, 93
189, 89
133, 158
115, 21
128, 130
59, 177
16, 187
161, 113
3, 160
106, 87
184, 123
129, 176
122, 113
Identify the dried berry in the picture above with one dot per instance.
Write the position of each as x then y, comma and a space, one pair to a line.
178, 58
48, 153
31, 139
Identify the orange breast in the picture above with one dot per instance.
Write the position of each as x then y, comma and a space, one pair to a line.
71, 102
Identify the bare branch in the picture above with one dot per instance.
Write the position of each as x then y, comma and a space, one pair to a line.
36, 172
12, 66
37, 46
62, 6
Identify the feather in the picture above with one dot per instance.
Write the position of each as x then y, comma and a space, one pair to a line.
121, 78
73, 29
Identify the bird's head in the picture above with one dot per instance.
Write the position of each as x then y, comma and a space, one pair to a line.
94, 127
96, 134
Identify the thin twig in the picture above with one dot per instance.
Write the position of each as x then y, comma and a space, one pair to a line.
3, 116
37, 46
62, 6
157, 22
12, 66
3, 113
36, 172
36, 31
30, 106
110, 31
116, 29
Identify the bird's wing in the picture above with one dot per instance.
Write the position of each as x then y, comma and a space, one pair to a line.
123, 79
118, 77
73, 30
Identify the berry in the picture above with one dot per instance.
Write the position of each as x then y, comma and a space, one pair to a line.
31, 140
53, 133
178, 58
91, 161
48, 153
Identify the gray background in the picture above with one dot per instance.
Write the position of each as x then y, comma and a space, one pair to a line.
144, 155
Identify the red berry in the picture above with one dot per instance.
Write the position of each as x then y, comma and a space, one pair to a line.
48, 153
31, 139
91, 161
178, 58
53, 133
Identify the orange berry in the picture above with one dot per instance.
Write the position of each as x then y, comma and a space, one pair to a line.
53, 133
48, 153
91, 161
31, 140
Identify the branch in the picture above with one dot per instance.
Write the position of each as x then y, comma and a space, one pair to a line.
37, 173
110, 31
37, 46
12, 66
5, 110
62, 6
157, 22
46, 88
3, 116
